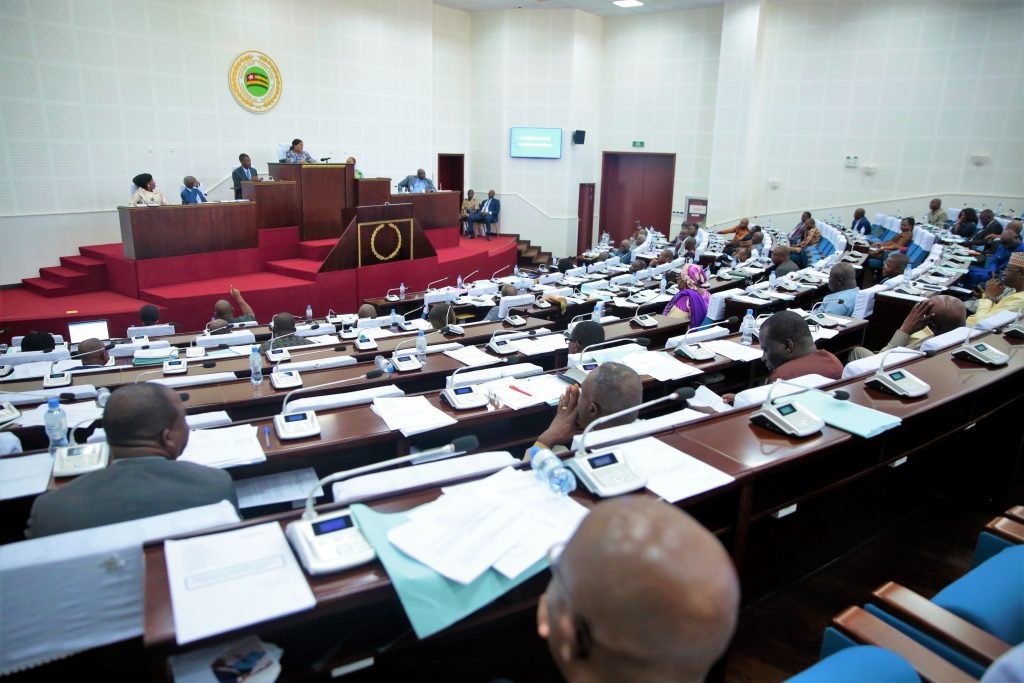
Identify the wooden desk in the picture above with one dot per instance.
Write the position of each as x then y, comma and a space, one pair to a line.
277, 202
325, 190
432, 209
159, 231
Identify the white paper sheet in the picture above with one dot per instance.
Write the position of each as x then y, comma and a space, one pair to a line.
672, 474
281, 487
226, 447
344, 399
705, 398
639, 428
81, 414
659, 365
823, 333
523, 392
472, 356
225, 581
410, 415
25, 475
544, 344
732, 350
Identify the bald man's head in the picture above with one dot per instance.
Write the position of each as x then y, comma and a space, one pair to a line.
610, 388
283, 323
842, 277
222, 309
509, 290
366, 311
780, 254
93, 352
145, 419
641, 592
948, 313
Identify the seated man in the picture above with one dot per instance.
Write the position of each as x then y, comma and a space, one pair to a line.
1009, 243
146, 430
936, 214
689, 250
608, 389
38, 341
666, 256
642, 592
743, 255
624, 253
93, 354
798, 233
192, 194
757, 241
812, 236
936, 315
1005, 296
244, 172
487, 214
417, 183
149, 315
788, 349
781, 263
492, 314
860, 223
895, 265
366, 311
440, 315
469, 206
842, 281
584, 333
283, 333
223, 310
739, 233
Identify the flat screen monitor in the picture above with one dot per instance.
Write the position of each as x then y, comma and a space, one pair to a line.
88, 329
535, 143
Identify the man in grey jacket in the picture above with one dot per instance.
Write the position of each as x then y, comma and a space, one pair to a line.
417, 183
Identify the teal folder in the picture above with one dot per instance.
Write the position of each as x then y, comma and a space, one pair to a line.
848, 416
432, 602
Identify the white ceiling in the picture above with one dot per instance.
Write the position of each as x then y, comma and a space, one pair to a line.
603, 8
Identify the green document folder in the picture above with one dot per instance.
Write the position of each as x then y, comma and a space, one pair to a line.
848, 416
432, 602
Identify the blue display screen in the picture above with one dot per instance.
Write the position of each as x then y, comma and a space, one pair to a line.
463, 390
297, 417
535, 143
336, 524
603, 460
787, 409
897, 375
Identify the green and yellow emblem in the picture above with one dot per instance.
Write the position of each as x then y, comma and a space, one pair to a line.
255, 81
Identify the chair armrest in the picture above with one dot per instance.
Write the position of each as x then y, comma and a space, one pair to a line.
940, 623
1016, 513
1009, 529
868, 629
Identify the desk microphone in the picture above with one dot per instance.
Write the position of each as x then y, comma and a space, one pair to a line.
792, 419
372, 374
324, 160
464, 279
898, 382
696, 351
499, 270
431, 284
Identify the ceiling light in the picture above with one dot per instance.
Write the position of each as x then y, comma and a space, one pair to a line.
626, 4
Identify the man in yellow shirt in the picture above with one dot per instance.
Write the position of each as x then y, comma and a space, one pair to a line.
996, 299
469, 205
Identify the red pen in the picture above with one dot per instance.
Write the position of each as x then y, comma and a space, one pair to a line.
513, 387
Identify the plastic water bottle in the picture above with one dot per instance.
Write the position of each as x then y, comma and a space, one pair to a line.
515, 271
383, 364
401, 291
393, 319
598, 311
908, 274
772, 278
421, 347
663, 286
255, 366
309, 312
102, 396
56, 421
747, 328
549, 469
458, 282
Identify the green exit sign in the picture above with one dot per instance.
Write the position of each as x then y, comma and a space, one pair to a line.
638, 143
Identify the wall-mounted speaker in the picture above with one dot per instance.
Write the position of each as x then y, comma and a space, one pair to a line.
578, 136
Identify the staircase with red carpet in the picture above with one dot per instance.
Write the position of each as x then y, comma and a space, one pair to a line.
75, 275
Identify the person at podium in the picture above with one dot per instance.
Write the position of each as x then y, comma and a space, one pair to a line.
417, 183
297, 155
146, 193
244, 172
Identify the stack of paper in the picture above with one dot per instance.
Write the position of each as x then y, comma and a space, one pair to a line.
530, 391
659, 365
545, 344
671, 474
635, 430
80, 414
38, 369
732, 350
411, 415
26, 475
846, 415
227, 447
472, 356
614, 353
708, 401
282, 487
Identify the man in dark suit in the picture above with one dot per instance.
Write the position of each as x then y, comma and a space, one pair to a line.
417, 183
242, 173
487, 214
146, 431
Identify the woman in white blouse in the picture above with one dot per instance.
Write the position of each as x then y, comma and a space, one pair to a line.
146, 193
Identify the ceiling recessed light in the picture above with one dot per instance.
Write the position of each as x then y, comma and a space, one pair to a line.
626, 4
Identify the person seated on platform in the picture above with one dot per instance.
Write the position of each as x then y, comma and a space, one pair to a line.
797, 235
895, 265
584, 333
486, 214
223, 309
860, 223
146, 193
357, 174
641, 592
781, 263
691, 301
935, 315
1005, 296
842, 281
1009, 243
283, 333
787, 348
192, 194
689, 251
608, 389
506, 290
811, 238
146, 431
440, 315
739, 233
966, 223
417, 183
366, 311
38, 341
245, 172
149, 315
936, 214
297, 154
469, 206
93, 354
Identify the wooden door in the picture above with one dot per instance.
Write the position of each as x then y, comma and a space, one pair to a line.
585, 218
450, 172
636, 186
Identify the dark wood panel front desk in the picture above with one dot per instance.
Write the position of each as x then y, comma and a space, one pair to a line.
432, 209
842, 486
159, 231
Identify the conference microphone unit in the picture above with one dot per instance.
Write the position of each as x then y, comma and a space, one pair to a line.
899, 382
304, 424
696, 352
790, 418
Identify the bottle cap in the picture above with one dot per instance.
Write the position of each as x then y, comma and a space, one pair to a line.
53, 402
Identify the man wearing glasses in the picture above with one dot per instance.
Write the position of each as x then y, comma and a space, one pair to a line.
641, 592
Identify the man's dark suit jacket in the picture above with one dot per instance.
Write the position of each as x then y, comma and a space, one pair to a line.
130, 488
238, 176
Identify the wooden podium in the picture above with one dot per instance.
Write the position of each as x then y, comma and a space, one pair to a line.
277, 202
379, 234
177, 230
325, 191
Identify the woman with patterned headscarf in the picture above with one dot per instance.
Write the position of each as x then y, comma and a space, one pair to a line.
146, 193
691, 301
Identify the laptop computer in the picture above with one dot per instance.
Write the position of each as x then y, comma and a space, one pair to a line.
88, 329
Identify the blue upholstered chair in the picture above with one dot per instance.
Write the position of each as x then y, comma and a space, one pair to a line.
859, 663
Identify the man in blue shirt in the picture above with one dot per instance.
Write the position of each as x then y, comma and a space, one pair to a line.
842, 280
860, 223
417, 183
192, 194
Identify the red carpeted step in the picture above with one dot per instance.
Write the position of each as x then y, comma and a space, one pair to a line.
82, 263
94, 270
99, 251
47, 288
295, 267
64, 276
316, 250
